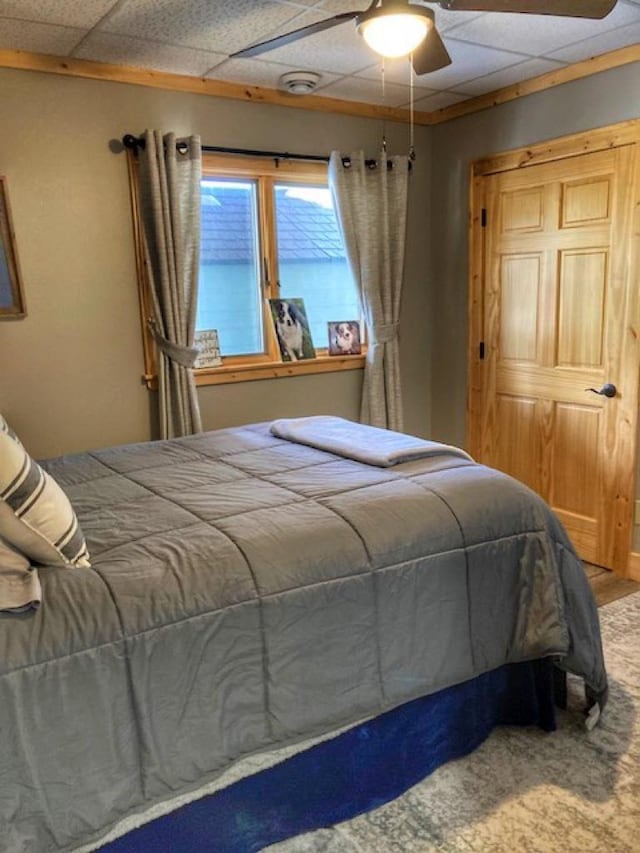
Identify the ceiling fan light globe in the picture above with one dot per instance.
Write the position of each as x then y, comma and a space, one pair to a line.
396, 34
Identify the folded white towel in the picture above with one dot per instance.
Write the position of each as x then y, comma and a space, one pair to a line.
371, 445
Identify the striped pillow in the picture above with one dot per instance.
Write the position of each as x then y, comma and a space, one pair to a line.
19, 584
4, 427
36, 516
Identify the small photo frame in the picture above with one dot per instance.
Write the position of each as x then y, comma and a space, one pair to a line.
291, 326
206, 340
344, 337
12, 304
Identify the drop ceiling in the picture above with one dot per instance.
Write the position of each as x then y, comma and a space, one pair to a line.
195, 37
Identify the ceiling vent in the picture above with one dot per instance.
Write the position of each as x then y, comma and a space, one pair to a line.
299, 82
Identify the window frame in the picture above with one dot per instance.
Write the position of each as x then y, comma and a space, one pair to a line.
241, 368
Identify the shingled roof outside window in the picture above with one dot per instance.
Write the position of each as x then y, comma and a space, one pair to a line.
306, 229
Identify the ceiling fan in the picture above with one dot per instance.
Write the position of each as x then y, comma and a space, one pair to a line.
399, 27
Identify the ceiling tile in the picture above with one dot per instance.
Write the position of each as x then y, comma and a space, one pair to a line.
70, 13
304, 19
335, 7
224, 26
444, 19
395, 71
438, 101
622, 37
508, 76
38, 38
339, 49
141, 53
468, 62
540, 34
256, 72
368, 91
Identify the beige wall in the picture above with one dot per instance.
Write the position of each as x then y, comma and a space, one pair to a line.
70, 372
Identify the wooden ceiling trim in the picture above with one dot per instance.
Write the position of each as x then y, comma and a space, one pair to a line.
595, 139
585, 68
84, 68
18, 59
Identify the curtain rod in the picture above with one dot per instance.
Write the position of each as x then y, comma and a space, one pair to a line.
133, 143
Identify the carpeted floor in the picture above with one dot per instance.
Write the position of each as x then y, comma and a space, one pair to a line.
524, 791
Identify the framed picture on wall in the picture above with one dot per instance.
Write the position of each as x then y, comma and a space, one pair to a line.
12, 305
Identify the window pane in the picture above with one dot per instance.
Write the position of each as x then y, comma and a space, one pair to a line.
311, 258
229, 297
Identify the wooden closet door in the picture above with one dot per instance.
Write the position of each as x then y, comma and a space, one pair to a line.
558, 311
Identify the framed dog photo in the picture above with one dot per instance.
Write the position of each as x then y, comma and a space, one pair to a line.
344, 337
291, 326
12, 305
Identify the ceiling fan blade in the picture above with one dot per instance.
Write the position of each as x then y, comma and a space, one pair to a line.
568, 8
294, 35
431, 54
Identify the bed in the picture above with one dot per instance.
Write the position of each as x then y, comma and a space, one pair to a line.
248, 592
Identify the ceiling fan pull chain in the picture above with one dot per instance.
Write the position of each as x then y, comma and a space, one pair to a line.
412, 150
384, 104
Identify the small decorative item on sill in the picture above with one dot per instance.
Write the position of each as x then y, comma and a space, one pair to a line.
12, 304
344, 337
206, 340
292, 329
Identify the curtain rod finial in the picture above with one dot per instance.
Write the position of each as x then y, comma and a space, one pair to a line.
132, 142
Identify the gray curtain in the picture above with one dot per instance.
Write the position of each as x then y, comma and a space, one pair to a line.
371, 204
170, 212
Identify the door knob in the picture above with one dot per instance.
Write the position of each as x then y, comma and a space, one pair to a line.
607, 390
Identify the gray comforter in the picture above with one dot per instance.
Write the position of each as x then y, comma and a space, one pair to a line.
248, 592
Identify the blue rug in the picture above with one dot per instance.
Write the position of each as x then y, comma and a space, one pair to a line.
354, 772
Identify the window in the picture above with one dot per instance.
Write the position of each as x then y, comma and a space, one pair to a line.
312, 262
268, 230
231, 265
